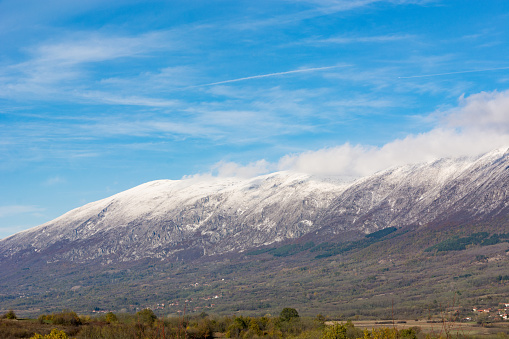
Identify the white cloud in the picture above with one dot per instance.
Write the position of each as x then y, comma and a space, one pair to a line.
479, 124
360, 160
64, 66
225, 169
85, 47
232, 169
485, 111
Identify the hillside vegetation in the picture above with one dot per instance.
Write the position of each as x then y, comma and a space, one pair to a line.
400, 273
289, 324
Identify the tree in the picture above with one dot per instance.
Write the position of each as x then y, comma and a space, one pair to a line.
239, 325
66, 317
146, 316
10, 315
382, 333
111, 318
288, 313
320, 318
337, 331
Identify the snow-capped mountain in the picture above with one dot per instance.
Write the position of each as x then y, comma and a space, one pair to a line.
184, 218
464, 189
194, 217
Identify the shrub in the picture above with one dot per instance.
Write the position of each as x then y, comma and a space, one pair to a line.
409, 333
337, 331
146, 316
382, 333
200, 327
66, 318
111, 318
237, 327
288, 313
62, 318
345, 331
55, 334
10, 315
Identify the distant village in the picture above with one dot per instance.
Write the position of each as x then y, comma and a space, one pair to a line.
176, 306
502, 311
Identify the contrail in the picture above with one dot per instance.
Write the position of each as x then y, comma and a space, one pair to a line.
267, 75
449, 73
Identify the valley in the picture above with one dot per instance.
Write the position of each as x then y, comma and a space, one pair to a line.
396, 276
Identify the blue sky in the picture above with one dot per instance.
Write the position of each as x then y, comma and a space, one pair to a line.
99, 96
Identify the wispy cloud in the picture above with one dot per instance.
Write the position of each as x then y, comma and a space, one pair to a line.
366, 101
321, 8
128, 100
164, 79
452, 73
362, 39
86, 48
317, 8
62, 67
385, 77
54, 181
480, 123
358, 3
10, 210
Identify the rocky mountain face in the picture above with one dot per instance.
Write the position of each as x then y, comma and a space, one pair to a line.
190, 218
183, 219
463, 189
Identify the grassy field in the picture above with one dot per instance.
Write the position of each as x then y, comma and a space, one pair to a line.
198, 327
438, 328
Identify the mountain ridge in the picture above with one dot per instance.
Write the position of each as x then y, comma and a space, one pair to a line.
407, 239
186, 219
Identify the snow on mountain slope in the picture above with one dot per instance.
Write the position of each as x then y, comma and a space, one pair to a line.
194, 217
165, 217
418, 194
